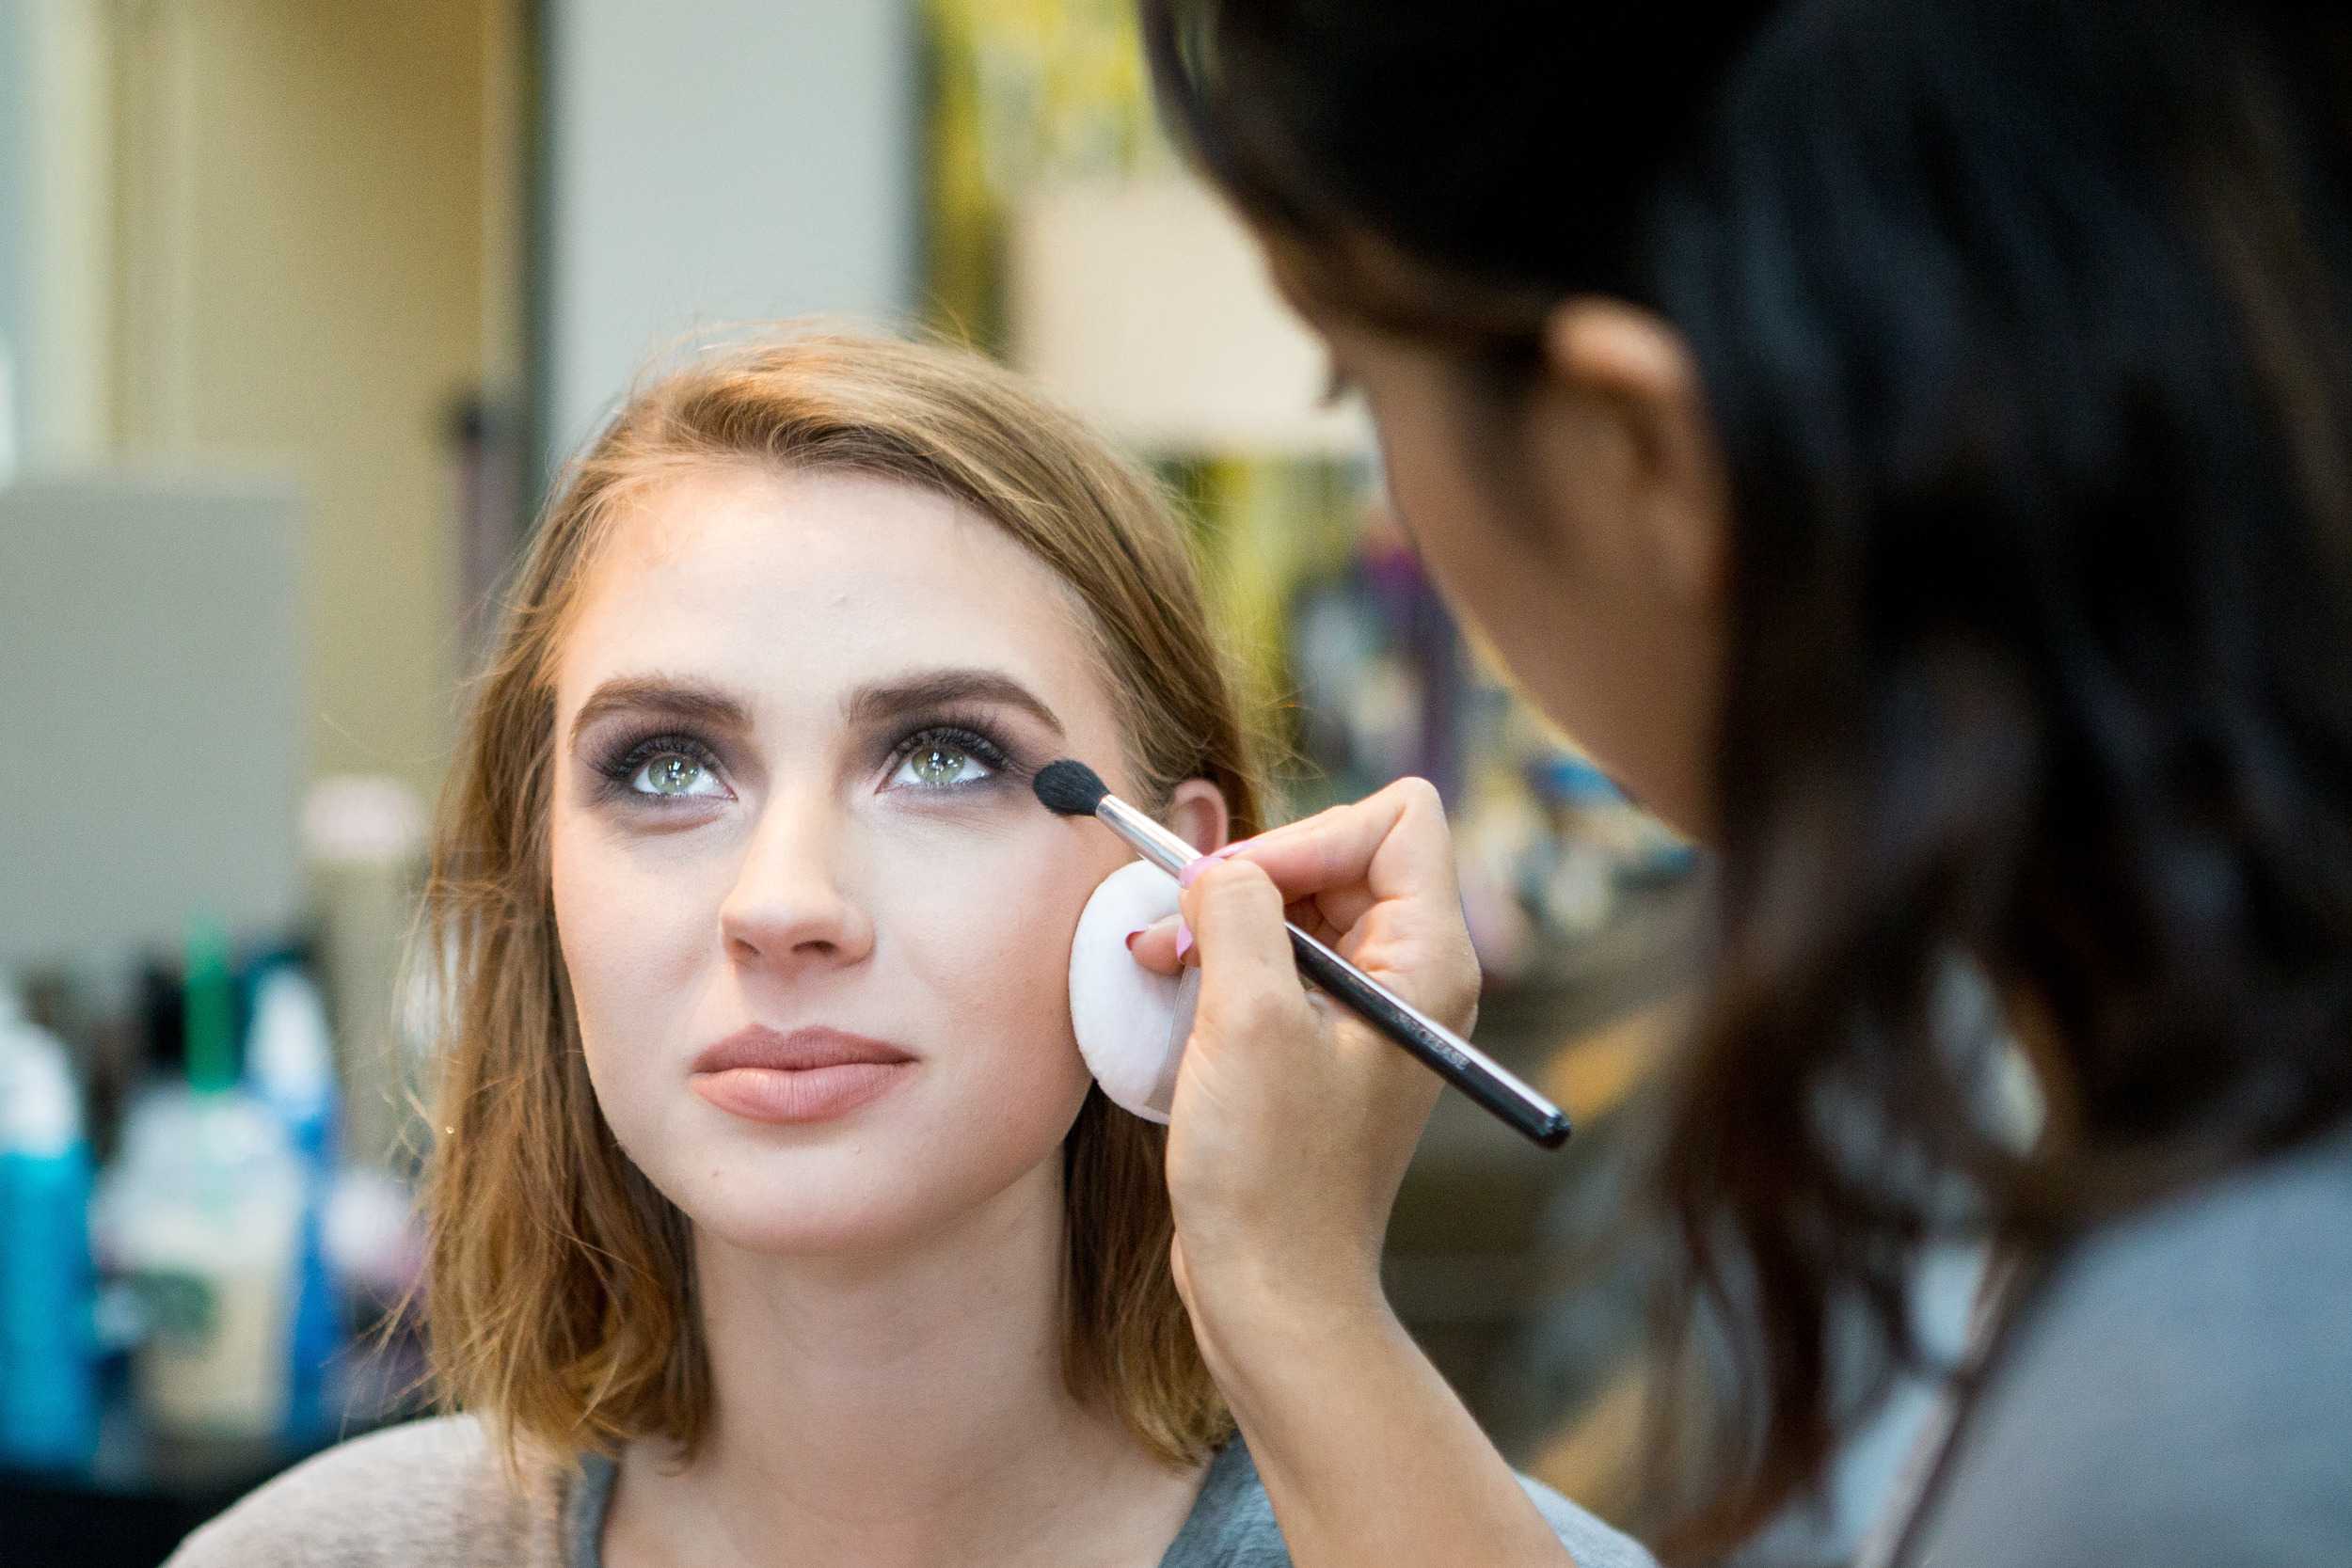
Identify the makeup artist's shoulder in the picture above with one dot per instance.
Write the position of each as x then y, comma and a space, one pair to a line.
1233, 1526
434, 1493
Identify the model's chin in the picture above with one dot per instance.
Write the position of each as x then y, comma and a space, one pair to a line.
911, 1163
905, 1186
816, 1215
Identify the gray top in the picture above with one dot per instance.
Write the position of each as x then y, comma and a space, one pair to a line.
2179, 1391
431, 1495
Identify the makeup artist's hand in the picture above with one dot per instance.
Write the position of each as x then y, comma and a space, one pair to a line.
1291, 1129
1293, 1121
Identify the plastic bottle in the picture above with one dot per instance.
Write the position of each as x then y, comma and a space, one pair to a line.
204, 1212
48, 1376
289, 1066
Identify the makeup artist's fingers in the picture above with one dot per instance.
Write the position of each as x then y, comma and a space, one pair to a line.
1308, 917
1255, 1045
1164, 946
1292, 1122
1236, 915
1378, 874
1391, 844
1162, 949
1375, 880
1154, 947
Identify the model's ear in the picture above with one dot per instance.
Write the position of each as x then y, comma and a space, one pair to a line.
1198, 814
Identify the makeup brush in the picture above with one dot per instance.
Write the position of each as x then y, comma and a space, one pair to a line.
1071, 788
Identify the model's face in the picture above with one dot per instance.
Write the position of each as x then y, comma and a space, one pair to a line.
817, 925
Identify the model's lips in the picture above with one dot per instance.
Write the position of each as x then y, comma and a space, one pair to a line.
802, 1051
807, 1075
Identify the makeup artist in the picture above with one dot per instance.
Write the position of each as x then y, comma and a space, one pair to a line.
1910, 443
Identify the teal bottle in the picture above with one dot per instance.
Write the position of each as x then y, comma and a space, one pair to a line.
48, 1373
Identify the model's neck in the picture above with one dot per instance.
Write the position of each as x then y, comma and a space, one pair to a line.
902, 1408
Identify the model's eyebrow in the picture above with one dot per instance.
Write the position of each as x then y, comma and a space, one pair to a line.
690, 701
881, 701
876, 703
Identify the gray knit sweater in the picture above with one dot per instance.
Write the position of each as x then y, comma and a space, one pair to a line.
432, 1494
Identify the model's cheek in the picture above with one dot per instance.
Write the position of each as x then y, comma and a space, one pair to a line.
985, 928
635, 935
995, 894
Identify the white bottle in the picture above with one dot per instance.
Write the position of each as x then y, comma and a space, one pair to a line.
203, 1212
291, 1063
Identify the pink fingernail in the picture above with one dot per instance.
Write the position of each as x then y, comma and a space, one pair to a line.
1183, 939
1191, 874
1131, 935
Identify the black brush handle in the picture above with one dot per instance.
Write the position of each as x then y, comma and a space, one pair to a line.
1497, 1090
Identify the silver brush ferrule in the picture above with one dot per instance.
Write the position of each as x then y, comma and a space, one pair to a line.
1147, 838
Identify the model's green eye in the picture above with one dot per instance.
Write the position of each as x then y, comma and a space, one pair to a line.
939, 765
672, 775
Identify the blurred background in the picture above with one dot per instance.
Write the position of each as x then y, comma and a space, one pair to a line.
301, 302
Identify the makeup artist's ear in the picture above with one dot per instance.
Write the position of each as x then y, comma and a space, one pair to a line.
1198, 814
1625, 448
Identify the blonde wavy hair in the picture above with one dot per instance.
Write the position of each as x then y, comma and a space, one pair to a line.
559, 1300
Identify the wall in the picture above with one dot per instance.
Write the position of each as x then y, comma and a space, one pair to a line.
302, 240
726, 160
56, 228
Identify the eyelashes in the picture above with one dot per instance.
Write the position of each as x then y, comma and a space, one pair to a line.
619, 765
956, 736
677, 764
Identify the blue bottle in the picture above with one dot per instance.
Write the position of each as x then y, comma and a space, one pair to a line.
289, 1066
48, 1373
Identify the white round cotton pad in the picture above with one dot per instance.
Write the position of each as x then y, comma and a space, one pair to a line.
1130, 1023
